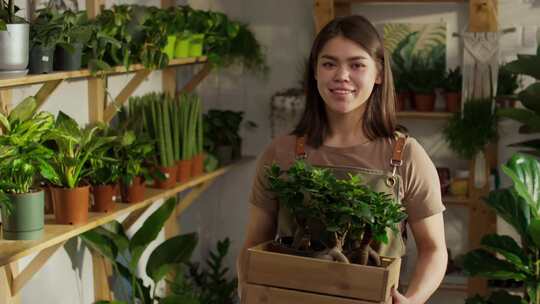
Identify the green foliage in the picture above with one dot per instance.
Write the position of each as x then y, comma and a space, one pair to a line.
132, 151
343, 206
190, 125
46, 28
21, 149
103, 167
73, 148
469, 131
501, 256
222, 128
124, 253
75, 29
427, 71
211, 285
507, 82
8, 11
453, 80
529, 116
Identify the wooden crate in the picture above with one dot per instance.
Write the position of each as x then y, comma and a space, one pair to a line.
295, 279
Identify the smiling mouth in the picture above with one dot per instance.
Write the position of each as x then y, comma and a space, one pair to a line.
342, 91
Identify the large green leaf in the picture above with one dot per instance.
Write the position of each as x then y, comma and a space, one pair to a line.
524, 170
534, 232
512, 208
170, 253
149, 231
24, 110
141, 291
524, 116
115, 232
483, 263
508, 248
526, 64
530, 97
68, 126
5, 122
101, 244
504, 297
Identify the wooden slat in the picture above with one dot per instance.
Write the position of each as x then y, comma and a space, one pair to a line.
33, 79
399, 1
5, 101
323, 12
93, 8
102, 291
168, 3
7, 274
200, 76
123, 96
32, 268
45, 91
424, 115
168, 79
342, 8
483, 16
96, 99
11, 251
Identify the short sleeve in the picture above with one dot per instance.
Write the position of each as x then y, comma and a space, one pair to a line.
422, 190
260, 195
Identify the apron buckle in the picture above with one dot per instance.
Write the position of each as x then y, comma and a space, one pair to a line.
395, 163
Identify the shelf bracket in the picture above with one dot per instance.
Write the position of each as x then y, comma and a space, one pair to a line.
197, 79
45, 91
133, 217
126, 92
102, 272
5, 100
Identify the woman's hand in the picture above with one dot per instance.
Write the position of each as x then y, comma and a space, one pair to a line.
398, 298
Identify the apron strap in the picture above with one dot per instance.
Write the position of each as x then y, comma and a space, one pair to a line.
300, 150
397, 154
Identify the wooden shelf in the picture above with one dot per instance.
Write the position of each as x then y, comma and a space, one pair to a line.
41, 78
399, 1
11, 251
456, 200
424, 115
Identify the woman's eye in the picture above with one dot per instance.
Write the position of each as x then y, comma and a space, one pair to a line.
357, 65
327, 64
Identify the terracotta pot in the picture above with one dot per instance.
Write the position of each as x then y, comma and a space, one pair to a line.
170, 177
71, 205
134, 192
197, 165
184, 170
117, 192
401, 101
103, 198
424, 102
453, 101
49, 208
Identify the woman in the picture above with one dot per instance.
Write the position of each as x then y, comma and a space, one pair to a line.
349, 123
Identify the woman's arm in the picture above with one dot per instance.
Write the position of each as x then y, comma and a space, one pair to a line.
432, 260
261, 228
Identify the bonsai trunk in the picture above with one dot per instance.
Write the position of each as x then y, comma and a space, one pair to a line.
299, 233
337, 251
365, 250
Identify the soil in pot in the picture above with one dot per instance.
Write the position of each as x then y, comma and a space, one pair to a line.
68, 60
424, 102
26, 221
134, 192
41, 60
170, 177
103, 198
184, 170
71, 205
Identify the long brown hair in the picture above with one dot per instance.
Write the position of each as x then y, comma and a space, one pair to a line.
379, 118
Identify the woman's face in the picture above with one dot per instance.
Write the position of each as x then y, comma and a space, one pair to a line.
346, 75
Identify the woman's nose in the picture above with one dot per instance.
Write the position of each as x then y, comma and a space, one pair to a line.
342, 74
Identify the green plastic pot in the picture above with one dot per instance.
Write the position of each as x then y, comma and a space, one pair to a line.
196, 45
181, 49
170, 46
27, 219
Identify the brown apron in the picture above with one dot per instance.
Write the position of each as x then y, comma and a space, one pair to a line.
379, 180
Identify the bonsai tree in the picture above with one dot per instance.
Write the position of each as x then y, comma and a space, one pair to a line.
73, 148
8, 11
529, 115
21, 151
502, 257
124, 253
334, 212
469, 132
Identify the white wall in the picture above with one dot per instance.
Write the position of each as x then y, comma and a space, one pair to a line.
285, 29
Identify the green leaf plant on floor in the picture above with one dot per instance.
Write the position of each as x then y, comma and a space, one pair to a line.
125, 253
346, 216
22, 153
502, 257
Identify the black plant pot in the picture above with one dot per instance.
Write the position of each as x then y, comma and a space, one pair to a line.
224, 154
41, 59
68, 60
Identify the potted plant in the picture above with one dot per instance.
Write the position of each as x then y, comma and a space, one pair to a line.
156, 26
104, 173
425, 81
124, 253
68, 170
529, 115
502, 257
452, 89
187, 107
21, 156
14, 38
74, 35
44, 35
197, 132
400, 72
507, 84
336, 220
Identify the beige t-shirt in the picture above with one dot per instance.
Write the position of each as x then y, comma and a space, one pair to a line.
421, 193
